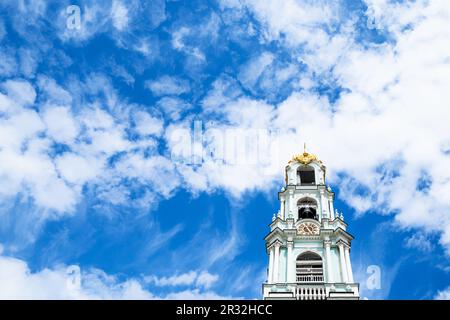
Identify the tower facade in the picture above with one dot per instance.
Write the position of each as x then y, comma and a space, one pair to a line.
308, 244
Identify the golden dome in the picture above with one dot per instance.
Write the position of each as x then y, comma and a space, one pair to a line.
304, 158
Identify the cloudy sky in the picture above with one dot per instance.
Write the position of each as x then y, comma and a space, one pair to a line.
143, 143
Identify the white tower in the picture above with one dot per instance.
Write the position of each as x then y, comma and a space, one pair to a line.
308, 245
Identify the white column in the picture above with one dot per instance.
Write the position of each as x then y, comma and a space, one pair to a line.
343, 265
323, 205
283, 215
276, 263
328, 262
291, 203
271, 257
290, 263
349, 264
330, 199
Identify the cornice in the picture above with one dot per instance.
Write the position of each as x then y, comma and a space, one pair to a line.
339, 218
308, 237
272, 233
277, 219
341, 232
270, 245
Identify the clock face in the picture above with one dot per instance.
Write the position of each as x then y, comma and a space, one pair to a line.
308, 229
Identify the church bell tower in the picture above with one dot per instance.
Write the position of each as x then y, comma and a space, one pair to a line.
308, 244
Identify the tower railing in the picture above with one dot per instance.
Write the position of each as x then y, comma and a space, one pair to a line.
312, 292
308, 278
310, 270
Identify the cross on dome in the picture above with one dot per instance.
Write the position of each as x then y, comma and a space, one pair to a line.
305, 157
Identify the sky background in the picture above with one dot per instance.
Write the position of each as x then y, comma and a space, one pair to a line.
102, 190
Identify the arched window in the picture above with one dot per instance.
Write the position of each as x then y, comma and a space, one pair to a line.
309, 268
307, 208
306, 176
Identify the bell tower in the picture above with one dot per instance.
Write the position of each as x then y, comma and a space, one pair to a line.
308, 243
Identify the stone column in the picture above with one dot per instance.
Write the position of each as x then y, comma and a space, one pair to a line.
276, 262
342, 262
329, 265
323, 205
283, 215
349, 264
330, 199
290, 262
292, 205
271, 257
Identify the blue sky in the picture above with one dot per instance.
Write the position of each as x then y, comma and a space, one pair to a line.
102, 116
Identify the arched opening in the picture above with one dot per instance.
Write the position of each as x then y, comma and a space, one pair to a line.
309, 268
307, 208
306, 176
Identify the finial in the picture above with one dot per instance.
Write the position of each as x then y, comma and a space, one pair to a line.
305, 157
342, 216
274, 217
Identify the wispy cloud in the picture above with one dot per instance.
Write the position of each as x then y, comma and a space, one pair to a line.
168, 85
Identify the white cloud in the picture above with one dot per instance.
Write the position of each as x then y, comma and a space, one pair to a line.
19, 282
20, 91
206, 279
52, 92
61, 125
71, 282
148, 125
25, 164
236, 166
77, 169
388, 87
119, 15
199, 279
388, 126
156, 172
6, 104
196, 294
8, 63
179, 43
253, 70
28, 62
52, 176
224, 90
176, 280
167, 85
419, 241
302, 22
174, 107
443, 294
